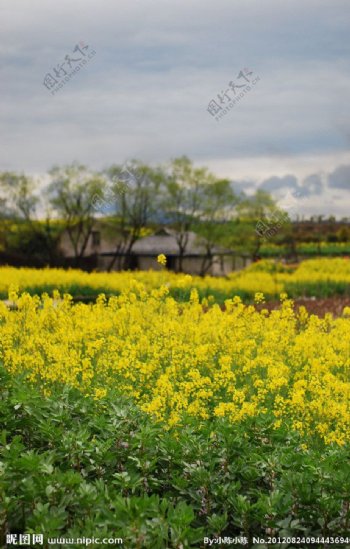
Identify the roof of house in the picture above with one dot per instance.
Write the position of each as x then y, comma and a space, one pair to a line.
164, 242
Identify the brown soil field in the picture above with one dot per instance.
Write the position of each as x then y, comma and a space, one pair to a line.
320, 307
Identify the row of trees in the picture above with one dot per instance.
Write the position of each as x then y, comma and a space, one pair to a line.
135, 198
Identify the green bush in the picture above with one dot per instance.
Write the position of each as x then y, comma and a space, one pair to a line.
73, 466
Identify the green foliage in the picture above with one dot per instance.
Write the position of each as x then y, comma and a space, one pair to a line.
322, 249
73, 466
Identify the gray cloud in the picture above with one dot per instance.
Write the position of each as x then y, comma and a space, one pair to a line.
158, 65
311, 186
340, 178
275, 183
242, 187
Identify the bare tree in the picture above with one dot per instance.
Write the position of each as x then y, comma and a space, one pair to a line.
183, 200
72, 194
219, 203
255, 211
136, 190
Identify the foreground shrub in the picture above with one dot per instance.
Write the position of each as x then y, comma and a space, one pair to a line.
71, 465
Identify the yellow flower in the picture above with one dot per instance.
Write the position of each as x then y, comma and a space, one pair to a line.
161, 259
100, 393
259, 297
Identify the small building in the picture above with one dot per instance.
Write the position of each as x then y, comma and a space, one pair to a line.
103, 246
102, 238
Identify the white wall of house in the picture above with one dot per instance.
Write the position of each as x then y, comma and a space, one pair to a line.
105, 244
101, 243
147, 263
191, 265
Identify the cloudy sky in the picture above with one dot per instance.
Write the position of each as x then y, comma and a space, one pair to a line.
157, 67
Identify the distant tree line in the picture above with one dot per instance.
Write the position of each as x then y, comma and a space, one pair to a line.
135, 198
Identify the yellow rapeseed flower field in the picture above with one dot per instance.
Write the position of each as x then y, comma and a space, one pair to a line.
316, 276
76, 281
177, 360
